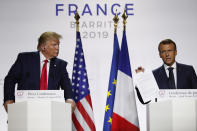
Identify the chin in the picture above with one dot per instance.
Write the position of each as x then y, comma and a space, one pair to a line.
56, 55
169, 64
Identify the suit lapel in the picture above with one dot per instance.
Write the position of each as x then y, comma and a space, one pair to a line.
178, 76
51, 76
36, 63
164, 81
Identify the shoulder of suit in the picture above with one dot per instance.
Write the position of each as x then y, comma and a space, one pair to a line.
157, 69
184, 65
28, 54
60, 60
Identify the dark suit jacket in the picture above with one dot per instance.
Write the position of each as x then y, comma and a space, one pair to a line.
26, 73
186, 77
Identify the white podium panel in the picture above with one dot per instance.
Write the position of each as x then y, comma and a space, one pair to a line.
172, 115
39, 116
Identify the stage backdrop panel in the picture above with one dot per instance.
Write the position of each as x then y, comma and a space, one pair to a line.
149, 22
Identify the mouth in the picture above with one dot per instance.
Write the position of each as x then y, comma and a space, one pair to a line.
168, 59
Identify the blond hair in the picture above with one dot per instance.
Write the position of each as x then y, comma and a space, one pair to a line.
46, 36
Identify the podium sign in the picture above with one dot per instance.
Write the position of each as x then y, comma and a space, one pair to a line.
37, 95
177, 94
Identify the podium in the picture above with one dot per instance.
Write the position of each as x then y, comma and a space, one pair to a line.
43, 114
39, 116
172, 115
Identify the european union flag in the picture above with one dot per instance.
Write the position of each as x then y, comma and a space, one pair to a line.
111, 86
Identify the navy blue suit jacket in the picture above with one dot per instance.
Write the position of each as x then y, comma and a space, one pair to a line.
26, 73
186, 77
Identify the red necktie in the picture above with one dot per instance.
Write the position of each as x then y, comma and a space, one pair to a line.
43, 79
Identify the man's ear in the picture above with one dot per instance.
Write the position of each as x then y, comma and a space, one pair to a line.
160, 55
42, 47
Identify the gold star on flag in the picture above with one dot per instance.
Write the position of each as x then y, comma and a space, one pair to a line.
114, 82
110, 120
108, 94
107, 108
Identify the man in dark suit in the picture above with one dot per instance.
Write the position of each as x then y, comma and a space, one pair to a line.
173, 75
40, 70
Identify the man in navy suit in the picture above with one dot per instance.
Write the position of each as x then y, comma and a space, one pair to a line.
26, 71
183, 76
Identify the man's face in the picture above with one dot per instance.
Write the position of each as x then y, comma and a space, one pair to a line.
168, 53
52, 48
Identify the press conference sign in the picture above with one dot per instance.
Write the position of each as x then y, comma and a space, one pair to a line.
180, 93
39, 95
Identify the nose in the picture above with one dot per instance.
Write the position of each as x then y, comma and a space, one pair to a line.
167, 53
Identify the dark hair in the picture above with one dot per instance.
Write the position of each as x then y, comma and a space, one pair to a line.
166, 42
47, 36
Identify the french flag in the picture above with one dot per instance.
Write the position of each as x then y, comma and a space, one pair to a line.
125, 112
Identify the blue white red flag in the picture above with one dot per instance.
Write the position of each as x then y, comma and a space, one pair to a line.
125, 116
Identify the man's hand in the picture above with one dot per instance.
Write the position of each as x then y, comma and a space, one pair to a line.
139, 69
73, 104
6, 104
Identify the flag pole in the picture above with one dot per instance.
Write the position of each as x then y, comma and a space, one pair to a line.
125, 116
124, 16
115, 19
108, 120
83, 116
77, 17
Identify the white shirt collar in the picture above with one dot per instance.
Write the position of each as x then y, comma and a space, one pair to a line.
42, 57
166, 66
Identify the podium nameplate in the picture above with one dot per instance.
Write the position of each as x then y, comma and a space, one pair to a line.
177, 94
39, 95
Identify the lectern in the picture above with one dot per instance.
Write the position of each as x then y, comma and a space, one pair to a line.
172, 115
39, 116
37, 111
